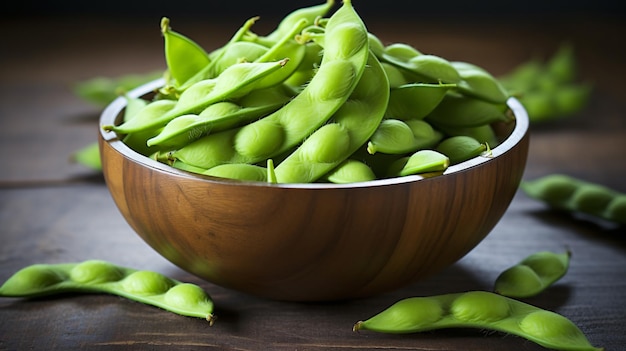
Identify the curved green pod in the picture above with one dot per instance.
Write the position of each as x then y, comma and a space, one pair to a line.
350, 171
399, 137
235, 81
220, 116
459, 111
97, 276
415, 100
356, 122
482, 310
477, 82
533, 274
573, 195
461, 148
184, 57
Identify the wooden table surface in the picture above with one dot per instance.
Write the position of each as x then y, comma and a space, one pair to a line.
53, 211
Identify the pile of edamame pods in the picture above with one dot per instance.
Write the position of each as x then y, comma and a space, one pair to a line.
318, 99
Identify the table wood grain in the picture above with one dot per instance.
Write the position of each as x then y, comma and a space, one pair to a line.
53, 211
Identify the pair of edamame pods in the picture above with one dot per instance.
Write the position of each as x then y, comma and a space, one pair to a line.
497, 311
319, 97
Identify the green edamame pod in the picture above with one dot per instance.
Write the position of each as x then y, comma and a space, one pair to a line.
548, 90
309, 14
482, 310
484, 134
355, 122
306, 70
220, 116
287, 47
398, 54
533, 274
561, 67
458, 111
88, 156
96, 276
395, 76
420, 162
522, 78
184, 57
137, 141
350, 171
237, 52
103, 90
461, 148
477, 82
376, 47
345, 56
209, 71
415, 100
238, 171
576, 195
142, 120
235, 81
398, 137
133, 106
432, 69
271, 174
178, 164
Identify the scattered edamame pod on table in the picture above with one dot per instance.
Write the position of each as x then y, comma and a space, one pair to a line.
97, 276
483, 310
101, 91
533, 274
88, 156
573, 195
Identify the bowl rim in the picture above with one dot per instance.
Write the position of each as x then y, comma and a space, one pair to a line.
110, 114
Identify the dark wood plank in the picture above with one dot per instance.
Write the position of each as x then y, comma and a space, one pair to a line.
80, 222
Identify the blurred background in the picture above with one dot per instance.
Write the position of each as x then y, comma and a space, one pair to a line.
399, 8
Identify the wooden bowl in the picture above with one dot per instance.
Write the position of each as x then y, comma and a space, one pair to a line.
312, 242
